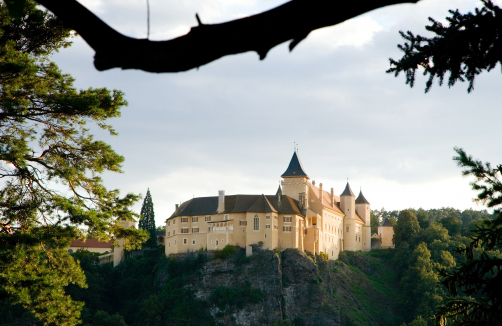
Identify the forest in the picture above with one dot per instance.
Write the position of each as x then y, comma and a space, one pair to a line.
136, 293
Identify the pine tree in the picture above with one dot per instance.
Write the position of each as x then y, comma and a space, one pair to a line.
44, 142
147, 221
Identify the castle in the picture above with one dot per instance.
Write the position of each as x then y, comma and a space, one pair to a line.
300, 215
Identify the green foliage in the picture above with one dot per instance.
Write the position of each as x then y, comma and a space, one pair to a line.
374, 221
324, 256
225, 253
224, 296
407, 227
102, 318
463, 47
452, 224
44, 141
147, 221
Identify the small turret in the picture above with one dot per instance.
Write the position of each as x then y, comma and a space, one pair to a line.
347, 202
363, 208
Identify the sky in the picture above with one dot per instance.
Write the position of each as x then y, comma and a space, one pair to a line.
232, 124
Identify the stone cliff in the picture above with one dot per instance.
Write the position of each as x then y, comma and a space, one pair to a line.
295, 288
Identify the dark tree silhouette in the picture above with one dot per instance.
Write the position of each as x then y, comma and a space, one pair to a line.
147, 221
475, 285
470, 44
292, 21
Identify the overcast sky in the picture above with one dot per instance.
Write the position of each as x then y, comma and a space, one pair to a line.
231, 125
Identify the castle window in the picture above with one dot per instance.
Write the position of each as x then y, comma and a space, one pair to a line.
169, 233
256, 225
267, 226
347, 229
185, 241
208, 228
275, 217
184, 230
208, 218
195, 219
195, 230
286, 228
276, 227
175, 242
356, 237
226, 216
268, 217
287, 219
169, 245
168, 223
243, 223
193, 242
174, 221
184, 220
174, 232
216, 242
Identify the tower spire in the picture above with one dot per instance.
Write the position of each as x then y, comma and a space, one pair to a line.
295, 168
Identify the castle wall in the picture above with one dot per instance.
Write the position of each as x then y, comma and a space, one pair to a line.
366, 238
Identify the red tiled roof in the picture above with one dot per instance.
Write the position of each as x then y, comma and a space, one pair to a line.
326, 201
91, 243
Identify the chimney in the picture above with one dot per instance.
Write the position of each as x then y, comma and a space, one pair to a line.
176, 207
332, 198
221, 201
320, 192
313, 182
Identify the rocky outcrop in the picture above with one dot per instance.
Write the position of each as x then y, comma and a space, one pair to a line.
298, 287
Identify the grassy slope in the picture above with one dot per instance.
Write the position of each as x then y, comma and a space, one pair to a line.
371, 294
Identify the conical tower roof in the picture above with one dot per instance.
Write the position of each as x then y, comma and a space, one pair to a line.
360, 199
386, 222
347, 191
295, 168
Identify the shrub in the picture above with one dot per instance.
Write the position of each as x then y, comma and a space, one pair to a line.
238, 296
324, 256
225, 252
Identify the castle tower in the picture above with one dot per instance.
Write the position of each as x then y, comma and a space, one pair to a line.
364, 212
348, 207
118, 251
294, 184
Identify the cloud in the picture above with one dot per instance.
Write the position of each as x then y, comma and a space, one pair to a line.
231, 124
353, 32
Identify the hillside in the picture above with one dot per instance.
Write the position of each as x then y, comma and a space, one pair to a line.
225, 288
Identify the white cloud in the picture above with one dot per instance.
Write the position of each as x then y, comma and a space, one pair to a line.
353, 32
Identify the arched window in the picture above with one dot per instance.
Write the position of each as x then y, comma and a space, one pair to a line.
256, 224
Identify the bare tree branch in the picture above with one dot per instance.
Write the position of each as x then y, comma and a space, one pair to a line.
292, 21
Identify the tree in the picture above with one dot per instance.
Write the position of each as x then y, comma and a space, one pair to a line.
292, 21
147, 221
452, 224
420, 285
406, 229
374, 221
468, 45
50, 165
474, 286
423, 218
